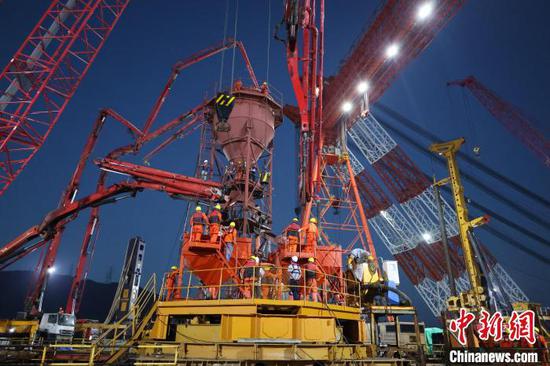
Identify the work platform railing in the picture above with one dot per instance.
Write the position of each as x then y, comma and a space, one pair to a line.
266, 282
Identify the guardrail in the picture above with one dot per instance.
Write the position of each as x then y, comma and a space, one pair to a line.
91, 356
125, 328
261, 282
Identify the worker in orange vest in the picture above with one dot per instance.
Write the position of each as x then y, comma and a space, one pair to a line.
292, 235
311, 279
198, 222
171, 278
229, 239
269, 281
215, 219
312, 235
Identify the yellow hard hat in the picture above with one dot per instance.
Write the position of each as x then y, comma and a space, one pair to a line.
295, 219
311, 260
198, 208
313, 219
370, 258
537, 330
173, 268
218, 207
232, 224
253, 257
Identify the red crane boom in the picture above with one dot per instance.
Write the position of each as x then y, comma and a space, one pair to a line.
44, 73
510, 116
396, 23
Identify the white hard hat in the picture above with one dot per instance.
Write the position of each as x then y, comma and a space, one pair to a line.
205, 162
294, 258
257, 259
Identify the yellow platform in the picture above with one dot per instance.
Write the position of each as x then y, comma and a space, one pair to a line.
246, 319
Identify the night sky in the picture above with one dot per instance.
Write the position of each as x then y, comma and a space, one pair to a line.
503, 43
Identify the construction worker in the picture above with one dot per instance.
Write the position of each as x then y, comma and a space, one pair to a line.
371, 280
292, 233
214, 220
198, 222
269, 281
229, 239
237, 85
264, 89
171, 278
253, 174
265, 177
355, 261
204, 170
312, 235
311, 279
370, 275
247, 274
294, 276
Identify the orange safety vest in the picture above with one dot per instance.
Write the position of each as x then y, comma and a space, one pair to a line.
292, 230
312, 232
199, 218
230, 236
215, 217
171, 279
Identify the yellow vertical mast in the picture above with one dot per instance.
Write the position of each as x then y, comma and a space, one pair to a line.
448, 150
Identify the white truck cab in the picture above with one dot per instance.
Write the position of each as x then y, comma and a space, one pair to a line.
57, 326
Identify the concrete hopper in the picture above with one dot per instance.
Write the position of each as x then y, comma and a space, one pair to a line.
249, 126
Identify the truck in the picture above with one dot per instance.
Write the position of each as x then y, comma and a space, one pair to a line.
56, 327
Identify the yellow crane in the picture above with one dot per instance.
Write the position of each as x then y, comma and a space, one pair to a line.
475, 298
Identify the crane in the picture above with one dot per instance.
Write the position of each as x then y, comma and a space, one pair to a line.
510, 116
322, 134
408, 227
474, 298
400, 31
49, 232
40, 79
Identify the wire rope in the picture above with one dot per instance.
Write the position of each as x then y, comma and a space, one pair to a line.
220, 84
268, 40
234, 38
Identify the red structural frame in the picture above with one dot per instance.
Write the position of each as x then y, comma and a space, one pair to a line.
45, 72
510, 116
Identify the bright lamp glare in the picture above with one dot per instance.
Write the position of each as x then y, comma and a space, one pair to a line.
51, 270
347, 107
11, 330
362, 87
425, 10
427, 237
392, 50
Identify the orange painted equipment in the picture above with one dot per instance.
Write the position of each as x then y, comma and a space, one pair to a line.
207, 260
